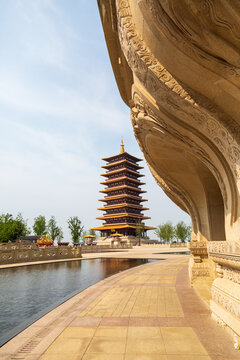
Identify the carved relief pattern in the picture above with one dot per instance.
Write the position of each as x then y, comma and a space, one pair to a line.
226, 288
225, 253
198, 248
199, 271
155, 77
142, 113
140, 118
227, 301
189, 39
223, 247
231, 274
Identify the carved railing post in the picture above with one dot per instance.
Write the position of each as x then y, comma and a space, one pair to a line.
199, 262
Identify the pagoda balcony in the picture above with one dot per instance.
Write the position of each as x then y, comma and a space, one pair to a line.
120, 227
128, 181
119, 182
128, 217
123, 209
123, 205
126, 202
122, 221
120, 202
123, 169
122, 196
122, 187
123, 192
123, 174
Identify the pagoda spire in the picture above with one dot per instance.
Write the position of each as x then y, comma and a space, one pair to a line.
122, 147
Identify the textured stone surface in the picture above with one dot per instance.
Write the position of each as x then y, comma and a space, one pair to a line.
177, 66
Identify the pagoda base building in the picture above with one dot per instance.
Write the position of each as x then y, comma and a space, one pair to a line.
123, 200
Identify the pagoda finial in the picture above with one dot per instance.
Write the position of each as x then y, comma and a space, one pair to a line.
122, 147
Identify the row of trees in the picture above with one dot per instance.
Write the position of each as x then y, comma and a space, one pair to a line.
167, 232
12, 228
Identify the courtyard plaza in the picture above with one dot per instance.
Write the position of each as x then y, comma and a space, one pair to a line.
148, 312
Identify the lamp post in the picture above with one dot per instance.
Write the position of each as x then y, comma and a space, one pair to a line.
139, 232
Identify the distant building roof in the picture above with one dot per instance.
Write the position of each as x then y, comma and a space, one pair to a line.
29, 238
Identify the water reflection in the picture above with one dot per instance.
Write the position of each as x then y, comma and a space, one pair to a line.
29, 292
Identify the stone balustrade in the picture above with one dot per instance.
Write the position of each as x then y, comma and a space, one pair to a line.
225, 253
21, 253
173, 245
225, 303
104, 248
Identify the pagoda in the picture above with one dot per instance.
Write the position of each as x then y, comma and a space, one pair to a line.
122, 200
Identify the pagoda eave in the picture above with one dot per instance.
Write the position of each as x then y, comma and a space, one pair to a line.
108, 159
121, 162
122, 215
115, 197
118, 206
113, 227
120, 170
122, 178
122, 187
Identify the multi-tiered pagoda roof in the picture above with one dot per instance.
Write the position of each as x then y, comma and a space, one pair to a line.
123, 195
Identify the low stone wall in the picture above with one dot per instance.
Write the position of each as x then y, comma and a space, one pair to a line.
168, 246
103, 248
20, 253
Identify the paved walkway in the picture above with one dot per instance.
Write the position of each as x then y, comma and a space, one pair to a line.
146, 313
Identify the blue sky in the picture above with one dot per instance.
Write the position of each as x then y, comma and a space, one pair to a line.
60, 113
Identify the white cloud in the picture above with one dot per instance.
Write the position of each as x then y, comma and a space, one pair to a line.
61, 102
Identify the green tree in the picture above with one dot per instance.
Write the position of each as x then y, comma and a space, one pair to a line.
165, 231
40, 226
76, 228
182, 231
11, 229
54, 231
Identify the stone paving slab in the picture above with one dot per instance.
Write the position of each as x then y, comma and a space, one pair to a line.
123, 317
